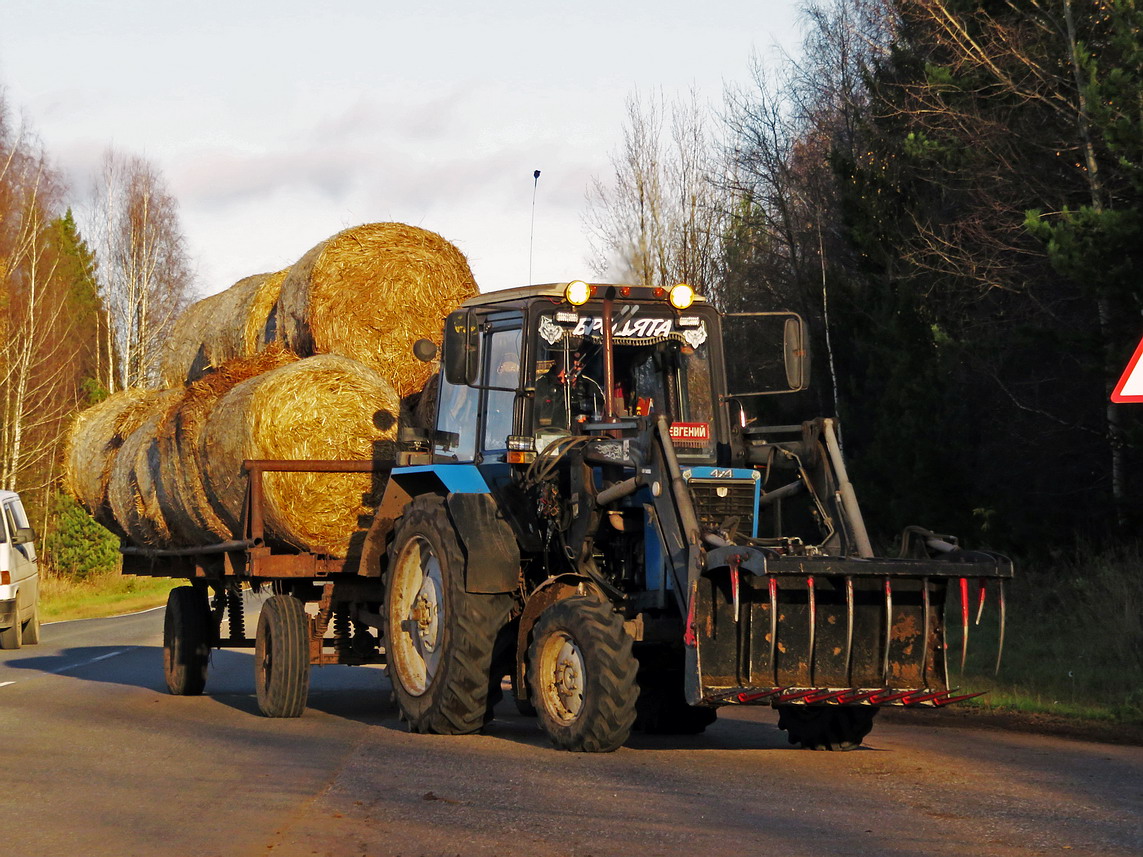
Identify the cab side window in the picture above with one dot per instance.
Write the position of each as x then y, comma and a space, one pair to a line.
502, 369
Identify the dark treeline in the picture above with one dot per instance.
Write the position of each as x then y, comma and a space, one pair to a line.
949, 190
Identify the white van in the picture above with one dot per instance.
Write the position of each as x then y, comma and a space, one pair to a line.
19, 575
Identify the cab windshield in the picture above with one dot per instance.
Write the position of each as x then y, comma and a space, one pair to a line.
662, 366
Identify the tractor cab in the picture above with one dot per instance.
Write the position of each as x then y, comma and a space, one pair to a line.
526, 367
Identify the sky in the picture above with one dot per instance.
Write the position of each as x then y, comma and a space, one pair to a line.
277, 124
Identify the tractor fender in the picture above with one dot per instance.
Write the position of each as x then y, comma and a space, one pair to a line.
491, 551
403, 485
544, 596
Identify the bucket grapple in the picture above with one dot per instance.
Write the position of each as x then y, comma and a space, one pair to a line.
781, 630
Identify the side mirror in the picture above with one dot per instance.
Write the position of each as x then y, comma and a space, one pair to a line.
24, 535
766, 353
462, 347
795, 353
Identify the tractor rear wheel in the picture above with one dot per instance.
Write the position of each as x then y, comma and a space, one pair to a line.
187, 639
582, 675
439, 639
823, 727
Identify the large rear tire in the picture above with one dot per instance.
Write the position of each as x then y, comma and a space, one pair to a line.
282, 657
581, 672
439, 639
823, 727
187, 639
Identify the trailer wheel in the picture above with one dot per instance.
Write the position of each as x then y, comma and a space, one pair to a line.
282, 657
582, 674
187, 639
439, 639
819, 727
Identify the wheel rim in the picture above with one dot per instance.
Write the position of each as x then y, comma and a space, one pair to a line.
562, 677
414, 616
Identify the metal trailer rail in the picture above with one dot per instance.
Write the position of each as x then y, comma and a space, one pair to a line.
255, 559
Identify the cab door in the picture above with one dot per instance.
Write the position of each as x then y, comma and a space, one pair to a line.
501, 353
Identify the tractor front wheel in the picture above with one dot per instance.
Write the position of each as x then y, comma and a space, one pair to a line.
582, 675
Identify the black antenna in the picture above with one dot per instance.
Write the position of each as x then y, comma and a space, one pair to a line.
532, 234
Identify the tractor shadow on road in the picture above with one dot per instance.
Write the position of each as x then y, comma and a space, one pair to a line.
364, 695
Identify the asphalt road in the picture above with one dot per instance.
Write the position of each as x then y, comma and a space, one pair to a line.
99, 760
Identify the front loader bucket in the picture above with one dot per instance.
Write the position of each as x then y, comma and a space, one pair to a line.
772, 629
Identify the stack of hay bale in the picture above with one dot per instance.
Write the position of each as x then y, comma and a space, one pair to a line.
309, 363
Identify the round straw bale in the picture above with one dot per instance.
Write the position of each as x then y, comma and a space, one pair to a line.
369, 293
93, 442
131, 489
221, 327
323, 407
186, 507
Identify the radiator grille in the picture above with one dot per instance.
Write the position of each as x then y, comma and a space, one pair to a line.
713, 510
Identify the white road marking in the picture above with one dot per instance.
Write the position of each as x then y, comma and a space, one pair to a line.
68, 667
88, 662
117, 616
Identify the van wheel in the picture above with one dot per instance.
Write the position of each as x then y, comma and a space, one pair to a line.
13, 638
32, 627
187, 640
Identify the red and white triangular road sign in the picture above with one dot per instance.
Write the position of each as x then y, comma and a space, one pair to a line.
1130, 386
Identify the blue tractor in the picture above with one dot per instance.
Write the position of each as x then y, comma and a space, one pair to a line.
592, 515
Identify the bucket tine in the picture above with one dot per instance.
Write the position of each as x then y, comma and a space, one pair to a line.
848, 627
888, 629
1000, 644
980, 601
772, 582
813, 622
926, 607
963, 621
734, 582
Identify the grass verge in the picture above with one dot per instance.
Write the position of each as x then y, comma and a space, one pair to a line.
63, 598
1073, 648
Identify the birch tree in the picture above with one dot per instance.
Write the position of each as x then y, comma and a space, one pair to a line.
658, 218
144, 271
